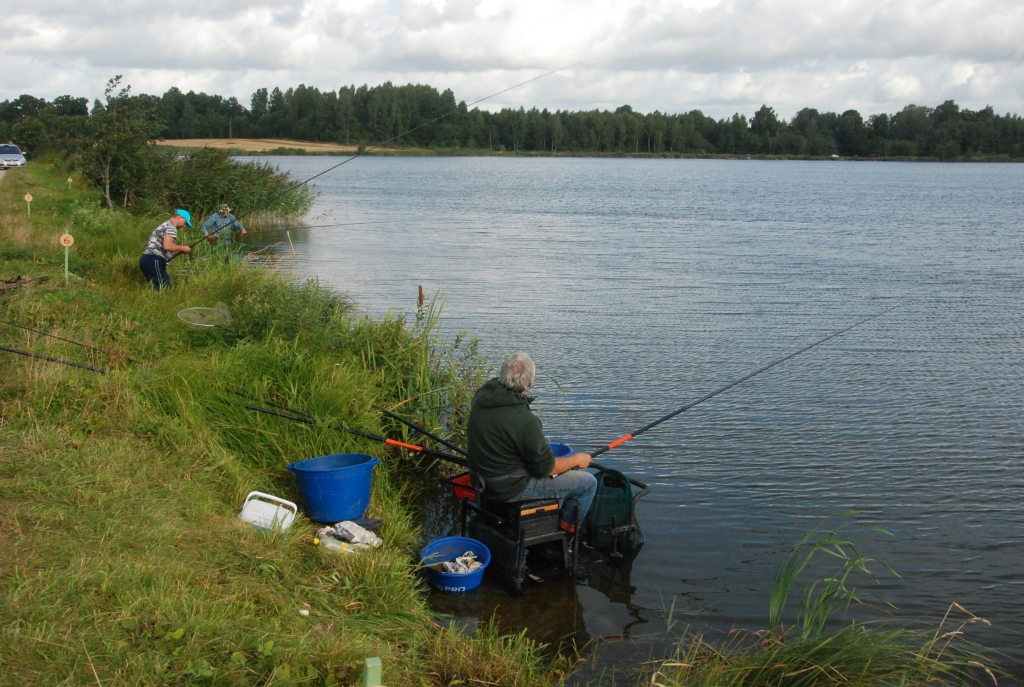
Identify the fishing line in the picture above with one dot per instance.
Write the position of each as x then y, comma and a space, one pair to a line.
60, 338
53, 360
622, 440
395, 138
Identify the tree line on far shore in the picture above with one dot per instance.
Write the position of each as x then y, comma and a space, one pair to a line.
112, 146
369, 115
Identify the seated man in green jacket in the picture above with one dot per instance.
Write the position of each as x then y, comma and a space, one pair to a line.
508, 454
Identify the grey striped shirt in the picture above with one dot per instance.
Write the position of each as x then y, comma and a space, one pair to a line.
156, 240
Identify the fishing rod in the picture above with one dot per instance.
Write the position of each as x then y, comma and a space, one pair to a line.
422, 431
53, 360
299, 416
61, 338
321, 226
358, 432
389, 221
395, 138
622, 440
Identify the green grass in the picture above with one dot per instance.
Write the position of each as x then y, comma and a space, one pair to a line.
823, 648
122, 561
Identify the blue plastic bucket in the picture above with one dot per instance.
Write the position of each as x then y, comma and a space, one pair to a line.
448, 549
335, 488
561, 450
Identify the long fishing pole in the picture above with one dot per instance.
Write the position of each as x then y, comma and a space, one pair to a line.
395, 138
358, 432
622, 440
53, 360
299, 416
61, 338
421, 430
288, 228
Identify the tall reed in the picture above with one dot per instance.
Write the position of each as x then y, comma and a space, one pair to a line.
813, 655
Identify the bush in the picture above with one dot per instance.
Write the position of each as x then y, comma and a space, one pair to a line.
202, 179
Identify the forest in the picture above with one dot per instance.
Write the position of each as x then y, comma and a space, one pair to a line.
368, 115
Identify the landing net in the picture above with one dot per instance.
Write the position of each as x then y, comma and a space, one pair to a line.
205, 317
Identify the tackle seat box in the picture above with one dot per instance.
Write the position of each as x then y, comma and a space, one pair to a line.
535, 518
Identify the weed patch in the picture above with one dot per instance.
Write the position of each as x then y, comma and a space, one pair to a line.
122, 560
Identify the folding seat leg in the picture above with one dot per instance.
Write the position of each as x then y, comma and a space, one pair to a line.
576, 545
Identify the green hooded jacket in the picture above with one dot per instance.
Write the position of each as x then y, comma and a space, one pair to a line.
504, 436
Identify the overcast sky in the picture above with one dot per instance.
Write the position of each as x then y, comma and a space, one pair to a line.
720, 57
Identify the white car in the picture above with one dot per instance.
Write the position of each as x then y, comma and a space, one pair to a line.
11, 156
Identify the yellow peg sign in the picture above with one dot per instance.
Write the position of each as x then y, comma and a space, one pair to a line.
66, 240
28, 200
69, 183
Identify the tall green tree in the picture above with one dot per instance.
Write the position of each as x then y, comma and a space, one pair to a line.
116, 152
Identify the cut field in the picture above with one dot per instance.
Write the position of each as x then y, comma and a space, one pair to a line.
262, 145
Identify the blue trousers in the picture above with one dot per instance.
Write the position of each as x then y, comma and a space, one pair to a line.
155, 270
572, 487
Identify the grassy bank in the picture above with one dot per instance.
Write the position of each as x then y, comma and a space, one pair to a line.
121, 558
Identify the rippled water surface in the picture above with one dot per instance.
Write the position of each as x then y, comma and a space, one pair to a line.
639, 285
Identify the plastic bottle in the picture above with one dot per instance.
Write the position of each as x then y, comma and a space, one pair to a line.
333, 546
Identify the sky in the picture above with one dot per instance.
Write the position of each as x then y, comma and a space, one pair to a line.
717, 56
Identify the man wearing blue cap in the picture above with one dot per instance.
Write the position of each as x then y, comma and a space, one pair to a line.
163, 246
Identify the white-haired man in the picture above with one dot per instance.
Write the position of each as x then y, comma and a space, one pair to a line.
508, 453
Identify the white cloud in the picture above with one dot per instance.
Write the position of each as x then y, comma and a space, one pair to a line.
719, 56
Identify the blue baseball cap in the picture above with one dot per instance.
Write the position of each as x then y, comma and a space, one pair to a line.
185, 215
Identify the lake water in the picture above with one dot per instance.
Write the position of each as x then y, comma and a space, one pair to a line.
639, 285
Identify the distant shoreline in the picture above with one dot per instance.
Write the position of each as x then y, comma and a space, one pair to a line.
286, 147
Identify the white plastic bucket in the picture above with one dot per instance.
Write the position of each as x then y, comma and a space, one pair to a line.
266, 512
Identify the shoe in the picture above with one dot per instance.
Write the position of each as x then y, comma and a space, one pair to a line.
566, 527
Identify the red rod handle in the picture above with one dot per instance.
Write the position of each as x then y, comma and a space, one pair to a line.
619, 442
402, 444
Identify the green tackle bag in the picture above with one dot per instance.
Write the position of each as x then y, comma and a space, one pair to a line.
613, 503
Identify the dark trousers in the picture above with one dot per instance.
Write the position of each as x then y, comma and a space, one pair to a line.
155, 270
